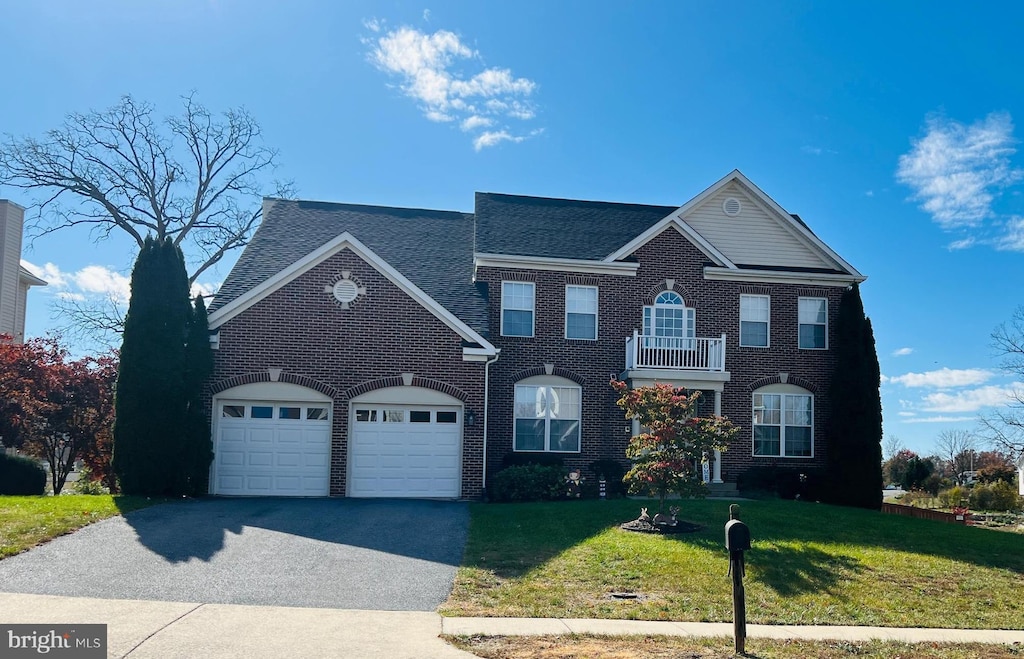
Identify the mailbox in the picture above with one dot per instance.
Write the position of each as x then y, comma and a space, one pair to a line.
737, 535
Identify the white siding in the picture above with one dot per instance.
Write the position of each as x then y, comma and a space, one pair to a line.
11, 220
754, 236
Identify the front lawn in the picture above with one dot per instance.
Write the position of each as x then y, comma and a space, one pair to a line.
28, 521
660, 647
811, 564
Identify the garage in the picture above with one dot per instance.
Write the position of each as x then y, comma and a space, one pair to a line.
409, 447
272, 445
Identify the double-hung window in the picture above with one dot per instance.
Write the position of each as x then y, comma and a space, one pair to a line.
813, 322
547, 418
517, 303
581, 312
755, 320
783, 425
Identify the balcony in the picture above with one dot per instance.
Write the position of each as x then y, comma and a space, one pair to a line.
670, 353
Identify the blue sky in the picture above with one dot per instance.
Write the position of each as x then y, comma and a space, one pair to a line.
889, 127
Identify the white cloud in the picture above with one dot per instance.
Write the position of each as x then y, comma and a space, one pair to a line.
205, 289
490, 138
943, 378
475, 121
956, 170
103, 281
940, 419
963, 243
902, 352
906, 413
970, 400
427, 66
426, 15
96, 281
869, 193
1012, 239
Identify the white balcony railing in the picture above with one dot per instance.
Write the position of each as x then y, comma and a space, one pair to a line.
675, 353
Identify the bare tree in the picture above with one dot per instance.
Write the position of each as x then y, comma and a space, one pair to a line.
1005, 427
956, 447
195, 177
891, 446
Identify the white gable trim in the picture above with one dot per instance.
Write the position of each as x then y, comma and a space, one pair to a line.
324, 252
801, 232
781, 277
515, 262
682, 227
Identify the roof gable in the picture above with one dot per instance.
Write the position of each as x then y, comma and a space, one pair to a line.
345, 241
760, 234
434, 249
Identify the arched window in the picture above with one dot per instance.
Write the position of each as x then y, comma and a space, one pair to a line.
668, 323
547, 415
783, 422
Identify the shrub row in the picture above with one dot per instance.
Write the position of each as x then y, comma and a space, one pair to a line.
542, 477
786, 483
21, 475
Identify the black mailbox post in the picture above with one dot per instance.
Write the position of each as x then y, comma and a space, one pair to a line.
737, 541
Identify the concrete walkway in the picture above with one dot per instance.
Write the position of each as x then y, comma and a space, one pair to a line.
167, 630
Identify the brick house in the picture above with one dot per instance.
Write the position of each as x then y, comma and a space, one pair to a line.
372, 352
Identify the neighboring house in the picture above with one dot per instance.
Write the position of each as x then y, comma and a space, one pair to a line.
15, 280
373, 352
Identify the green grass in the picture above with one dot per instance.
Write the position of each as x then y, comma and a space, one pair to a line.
674, 647
28, 521
811, 564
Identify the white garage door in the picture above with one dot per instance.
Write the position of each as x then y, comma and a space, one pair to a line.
272, 449
405, 451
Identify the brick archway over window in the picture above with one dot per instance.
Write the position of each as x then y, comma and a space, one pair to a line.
662, 286
777, 379
398, 381
540, 370
264, 376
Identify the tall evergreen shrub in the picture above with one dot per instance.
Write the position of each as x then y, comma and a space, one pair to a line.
150, 401
854, 456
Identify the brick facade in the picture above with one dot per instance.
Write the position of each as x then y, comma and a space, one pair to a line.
669, 256
301, 330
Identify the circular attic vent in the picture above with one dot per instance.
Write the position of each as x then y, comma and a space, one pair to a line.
346, 291
732, 206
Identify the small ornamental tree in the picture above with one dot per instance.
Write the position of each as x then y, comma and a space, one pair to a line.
666, 458
54, 409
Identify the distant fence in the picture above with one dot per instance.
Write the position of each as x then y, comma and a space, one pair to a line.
925, 513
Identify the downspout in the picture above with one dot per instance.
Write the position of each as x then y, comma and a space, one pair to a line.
487, 391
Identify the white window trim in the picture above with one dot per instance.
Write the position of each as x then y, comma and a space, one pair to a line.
533, 312
687, 311
782, 390
597, 311
798, 323
768, 334
546, 381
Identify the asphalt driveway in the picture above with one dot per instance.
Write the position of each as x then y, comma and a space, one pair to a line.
333, 553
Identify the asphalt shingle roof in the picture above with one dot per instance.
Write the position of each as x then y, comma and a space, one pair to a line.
559, 228
433, 249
